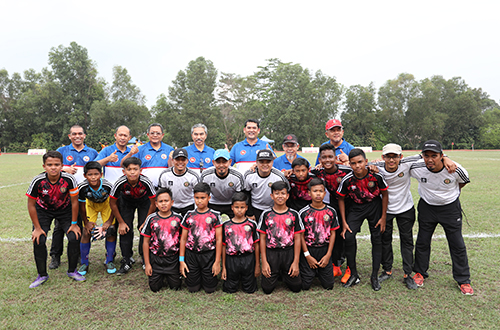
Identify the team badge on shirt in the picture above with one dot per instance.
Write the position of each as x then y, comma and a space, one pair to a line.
401, 174
230, 184
163, 156
69, 158
208, 220
339, 179
247, 228
288, 221
371, 184
148, 157
243, 152
447, 181
63, 189
173, 223
192, 160
326, 217
207, 160
270, 184
86, 158
186, 184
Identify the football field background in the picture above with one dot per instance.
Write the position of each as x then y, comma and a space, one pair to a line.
109, 301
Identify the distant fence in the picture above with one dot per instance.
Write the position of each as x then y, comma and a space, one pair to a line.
37, 151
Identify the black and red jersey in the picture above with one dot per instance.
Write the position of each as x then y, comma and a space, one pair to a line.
239, 237
318, 225
362, 190
142, 189
53, 196
201, 230
164, 233
280, 228
299, 192
332, 181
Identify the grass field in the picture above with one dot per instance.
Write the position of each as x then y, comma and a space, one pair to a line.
108, 301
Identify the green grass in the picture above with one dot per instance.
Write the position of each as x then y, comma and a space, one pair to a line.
108, 301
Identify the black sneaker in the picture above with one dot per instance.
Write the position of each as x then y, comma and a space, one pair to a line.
55, 262
384, 276
375, 283
124, 269
353, 280
410, 283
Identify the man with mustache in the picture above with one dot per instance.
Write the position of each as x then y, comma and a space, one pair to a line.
199, 154
290, 146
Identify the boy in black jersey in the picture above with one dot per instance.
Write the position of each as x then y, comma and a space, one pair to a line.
94, 199
299, 180
53, 194
320, 223
332, 174
365, 189
161, 233
280, 231
201, 243
133, 191
240, 249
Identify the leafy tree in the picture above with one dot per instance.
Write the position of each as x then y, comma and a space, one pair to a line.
122, 87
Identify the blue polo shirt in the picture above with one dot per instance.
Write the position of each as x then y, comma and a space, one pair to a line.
243, 154
154, 161
196, 157
281, 163
78, 158
344, 146
112, 170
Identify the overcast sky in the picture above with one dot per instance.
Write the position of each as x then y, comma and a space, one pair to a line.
357, 42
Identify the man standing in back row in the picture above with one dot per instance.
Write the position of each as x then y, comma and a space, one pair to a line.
334, 131
200, 155
110, 157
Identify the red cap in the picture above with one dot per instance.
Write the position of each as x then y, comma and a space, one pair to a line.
333, 123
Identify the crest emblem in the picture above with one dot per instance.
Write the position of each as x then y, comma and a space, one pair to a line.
207, 160
69, 158
208, 220
86, 158
192, 160
230, 184
270, 184
163, 156
326, 217
247, 228
401, 174
371, 184
186, 184
63, 189
339, 179
288, 221
173, 223
148, 157
447, 181
243, 152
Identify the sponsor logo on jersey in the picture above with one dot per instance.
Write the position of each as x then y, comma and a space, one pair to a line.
186, 184
247, 228
208, 220
163, 156
447, 181
86, 158
148, 157
127, 192
230, 184
401, 174
424, 180
45, 192
69, 158
170, 183
207, 160
288, 221
254, 185
63, 189
192, 160
310, 219
212, 184
371, 184
243, 152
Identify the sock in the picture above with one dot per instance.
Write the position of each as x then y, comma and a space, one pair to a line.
110, 251
84, 251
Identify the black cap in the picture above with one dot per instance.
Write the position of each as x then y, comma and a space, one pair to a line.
290, 138
432, 145
180, 152
265, 154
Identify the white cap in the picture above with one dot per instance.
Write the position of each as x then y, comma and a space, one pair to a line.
391, 148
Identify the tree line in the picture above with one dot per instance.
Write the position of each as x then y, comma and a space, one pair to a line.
38, 108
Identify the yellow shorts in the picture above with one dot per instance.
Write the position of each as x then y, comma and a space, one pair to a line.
93, 209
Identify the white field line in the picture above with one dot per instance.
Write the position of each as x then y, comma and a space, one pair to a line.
364, 237
15, 184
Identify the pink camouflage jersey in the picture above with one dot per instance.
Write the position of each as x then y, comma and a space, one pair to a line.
201, 230
239, 238
164, 233
280, 228
362, 190
318, 225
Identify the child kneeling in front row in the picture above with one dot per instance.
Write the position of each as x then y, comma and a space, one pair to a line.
320, 222
240, 249
280, 231
161, 233
201, 243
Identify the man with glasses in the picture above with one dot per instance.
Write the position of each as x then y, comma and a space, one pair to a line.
290, 146
154, 154
200, 155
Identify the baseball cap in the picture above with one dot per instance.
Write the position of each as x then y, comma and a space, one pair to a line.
290, 138
391, 148
221, 153
432, 145
333, 123
180, 152
265, 154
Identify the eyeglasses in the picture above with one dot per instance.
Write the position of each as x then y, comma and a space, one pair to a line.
391, 157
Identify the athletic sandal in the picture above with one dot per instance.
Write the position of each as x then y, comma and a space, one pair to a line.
39, 281
76, 276
419, 279
384, 276
346, 276
466, 289
410, 282
337, 271
110, 268
83, 269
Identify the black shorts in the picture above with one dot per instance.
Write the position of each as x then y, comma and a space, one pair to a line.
280, 261
200, 271
165, 269
308, 274
240, 267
